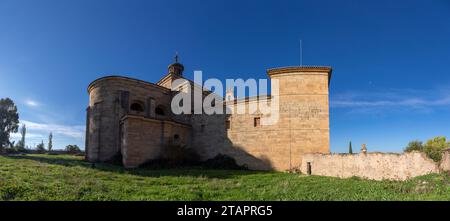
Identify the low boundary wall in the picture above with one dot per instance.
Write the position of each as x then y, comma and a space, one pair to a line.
376, 166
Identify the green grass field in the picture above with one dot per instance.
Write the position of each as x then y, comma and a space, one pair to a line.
64, 177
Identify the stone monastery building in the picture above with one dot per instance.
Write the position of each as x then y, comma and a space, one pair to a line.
133, 119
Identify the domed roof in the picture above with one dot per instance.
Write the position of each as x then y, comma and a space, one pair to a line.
176, 68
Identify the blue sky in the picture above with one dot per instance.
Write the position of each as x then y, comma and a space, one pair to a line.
390, 59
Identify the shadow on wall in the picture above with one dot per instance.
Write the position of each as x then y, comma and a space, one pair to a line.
246, 159
214, 140
240, 154
209, 132
234, 158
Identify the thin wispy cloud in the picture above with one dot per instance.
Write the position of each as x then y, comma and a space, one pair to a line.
62, 134
28, 135
31, 103
392, 98
74, 131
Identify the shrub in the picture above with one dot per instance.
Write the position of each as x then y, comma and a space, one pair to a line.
414, 146
73, 149
180, 155
433, 147
116, 159
40, 148
174, 155
11, 150
222, 161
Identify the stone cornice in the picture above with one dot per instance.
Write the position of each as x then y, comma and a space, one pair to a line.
172, 122
117, 77
300, 70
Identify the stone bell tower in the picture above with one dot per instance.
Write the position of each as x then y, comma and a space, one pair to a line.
175, 71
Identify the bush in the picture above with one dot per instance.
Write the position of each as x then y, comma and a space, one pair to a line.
180, 155
414, 146
40, 148
222, 161
11, 150
116, 159
434, 147
174, 155
73, 149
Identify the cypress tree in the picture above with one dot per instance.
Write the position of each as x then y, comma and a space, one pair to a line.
50, 141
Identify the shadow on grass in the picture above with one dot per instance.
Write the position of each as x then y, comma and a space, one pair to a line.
145, 172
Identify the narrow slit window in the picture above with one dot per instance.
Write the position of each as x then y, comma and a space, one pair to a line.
228, 124
308, 168
202, 128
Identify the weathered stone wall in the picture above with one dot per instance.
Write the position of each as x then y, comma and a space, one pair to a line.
445, 162
304, 113
302, 126
376, 166
144, 138
109, 100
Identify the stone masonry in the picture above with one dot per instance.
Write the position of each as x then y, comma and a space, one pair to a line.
133, 119
376, 166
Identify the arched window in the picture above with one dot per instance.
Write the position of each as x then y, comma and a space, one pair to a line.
136, 107
176, 139
159, 110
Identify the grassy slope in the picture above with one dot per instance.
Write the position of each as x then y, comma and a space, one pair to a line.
43, 177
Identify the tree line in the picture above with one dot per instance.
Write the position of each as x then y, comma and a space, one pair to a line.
433, 148
9, 123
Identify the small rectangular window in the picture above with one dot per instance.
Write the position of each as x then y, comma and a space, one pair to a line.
228, 124
257, 122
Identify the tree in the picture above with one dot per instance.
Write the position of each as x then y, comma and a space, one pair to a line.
40, 147
21, 144
350, 149
433, 147
414, 145
9, 120
50, 142
73, 149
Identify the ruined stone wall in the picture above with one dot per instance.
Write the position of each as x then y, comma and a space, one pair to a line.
376, 166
